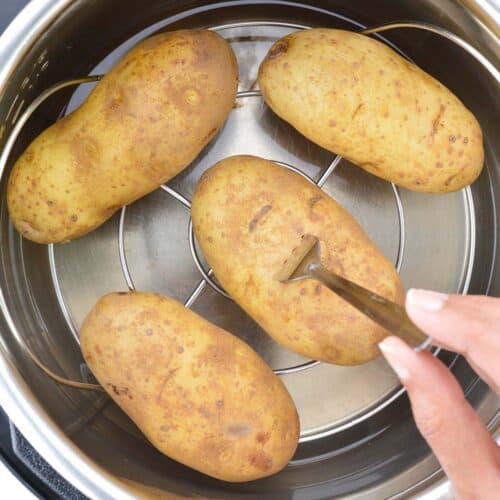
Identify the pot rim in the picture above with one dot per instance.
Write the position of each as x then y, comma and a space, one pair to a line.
16, 398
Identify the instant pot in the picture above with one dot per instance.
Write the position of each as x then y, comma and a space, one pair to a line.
358, 438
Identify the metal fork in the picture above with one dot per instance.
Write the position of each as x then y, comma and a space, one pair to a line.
305, 262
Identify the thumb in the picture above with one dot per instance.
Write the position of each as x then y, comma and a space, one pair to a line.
456, 434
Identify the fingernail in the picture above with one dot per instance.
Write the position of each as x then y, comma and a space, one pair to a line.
393, 350
425, 299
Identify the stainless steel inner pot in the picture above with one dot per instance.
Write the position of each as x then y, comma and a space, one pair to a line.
358, 438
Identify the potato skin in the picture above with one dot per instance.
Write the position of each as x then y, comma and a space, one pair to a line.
145, 121
355, 96
248, 215
199, 394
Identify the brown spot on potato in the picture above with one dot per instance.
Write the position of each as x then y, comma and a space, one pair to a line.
251, 287
149, 332
180, 349
435, 124
238, 430
466, 140
332, 123
217, 356
204, 412
219, 403
262, 437
447, 182
164, 383
114, 103
112, 208
332, 352
258, 217
357, 110
261, 461
317, 290
278, 49
73, 218
212, 132
452, 138
312, 201
439, 164
29, 156
119, 390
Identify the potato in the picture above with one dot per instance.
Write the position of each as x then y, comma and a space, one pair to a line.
248, 215
355, 96
143, 123
200, 395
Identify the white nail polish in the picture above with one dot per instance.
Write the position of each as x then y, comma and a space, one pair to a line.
426, 299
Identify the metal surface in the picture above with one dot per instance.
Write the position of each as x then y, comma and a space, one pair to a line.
357, 436
487, 12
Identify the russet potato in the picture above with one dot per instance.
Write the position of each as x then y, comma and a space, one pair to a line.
248, 216
199, 394
146, 120
354, 96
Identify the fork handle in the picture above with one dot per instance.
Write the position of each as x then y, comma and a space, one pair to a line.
386, 313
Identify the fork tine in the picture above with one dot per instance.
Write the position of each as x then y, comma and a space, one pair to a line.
297, 255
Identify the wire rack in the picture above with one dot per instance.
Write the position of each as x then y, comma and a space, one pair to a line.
19, 119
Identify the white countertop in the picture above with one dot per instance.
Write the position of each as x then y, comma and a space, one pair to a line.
11, 487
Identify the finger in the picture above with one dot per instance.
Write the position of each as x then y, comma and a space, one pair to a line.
456, 434
469, 325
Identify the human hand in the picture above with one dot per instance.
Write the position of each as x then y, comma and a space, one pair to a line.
469, 325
